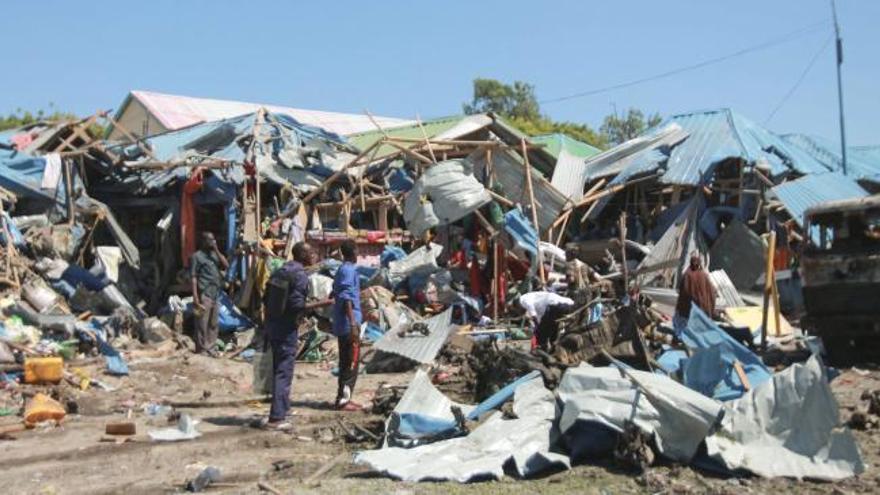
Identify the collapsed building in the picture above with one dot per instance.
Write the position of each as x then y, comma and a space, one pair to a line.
456, 218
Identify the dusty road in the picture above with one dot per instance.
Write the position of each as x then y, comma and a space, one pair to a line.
72, 459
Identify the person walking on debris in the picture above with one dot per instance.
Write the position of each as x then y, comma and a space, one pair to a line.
695, 287
206, 271
542, 310
285, 299
346, 325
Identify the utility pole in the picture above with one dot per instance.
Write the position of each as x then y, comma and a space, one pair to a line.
839, 44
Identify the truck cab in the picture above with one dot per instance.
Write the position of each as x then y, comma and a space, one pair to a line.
841, 278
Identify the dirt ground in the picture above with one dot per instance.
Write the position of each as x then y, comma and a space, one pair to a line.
72, 459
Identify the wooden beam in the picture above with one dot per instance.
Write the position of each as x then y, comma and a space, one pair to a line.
539, 258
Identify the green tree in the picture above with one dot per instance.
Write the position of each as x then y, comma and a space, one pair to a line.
616, 130
518, 104
21, 117
511, 101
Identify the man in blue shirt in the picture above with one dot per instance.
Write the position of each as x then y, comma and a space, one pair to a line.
286, 306
347, 324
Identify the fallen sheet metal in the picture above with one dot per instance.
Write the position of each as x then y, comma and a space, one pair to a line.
711, 370
446, 192
419, 348
525, 442
727, 295
421, 260
739, 252
598, 399
790, 427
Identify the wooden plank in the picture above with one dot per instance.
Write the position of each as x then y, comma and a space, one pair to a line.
741, 373
528, 169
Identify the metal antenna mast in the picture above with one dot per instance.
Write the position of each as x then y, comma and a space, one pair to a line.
839, 85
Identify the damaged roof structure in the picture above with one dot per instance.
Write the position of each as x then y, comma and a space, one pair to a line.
465, 228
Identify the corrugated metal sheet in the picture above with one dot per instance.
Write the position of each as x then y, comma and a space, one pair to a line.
861, 162
622, 156
727, 295
568, 175
510, 173
558, 142
810, 190
716, 135
176, 112
420, 349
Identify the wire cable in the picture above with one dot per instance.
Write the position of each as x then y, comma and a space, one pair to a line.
799, 80
761, 46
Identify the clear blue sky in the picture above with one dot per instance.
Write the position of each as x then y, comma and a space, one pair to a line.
402, 58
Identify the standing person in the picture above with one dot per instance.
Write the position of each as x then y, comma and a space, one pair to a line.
285, 299
347, 324
695, 287
206, 273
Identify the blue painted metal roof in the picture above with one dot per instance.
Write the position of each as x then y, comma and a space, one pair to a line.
715, 135
808, 191
862, 162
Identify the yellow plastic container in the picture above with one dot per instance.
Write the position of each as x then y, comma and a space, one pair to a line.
44, 369
43, 408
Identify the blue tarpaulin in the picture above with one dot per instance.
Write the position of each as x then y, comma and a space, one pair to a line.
710, 370
522, 231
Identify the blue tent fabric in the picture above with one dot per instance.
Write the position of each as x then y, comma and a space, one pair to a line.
521, 230
231, 319
710, 370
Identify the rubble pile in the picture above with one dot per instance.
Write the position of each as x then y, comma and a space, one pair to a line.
628, 314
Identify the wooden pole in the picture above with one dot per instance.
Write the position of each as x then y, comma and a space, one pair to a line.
427, 141
776, 310
68, 189
528, 169
768, 287
336, 175
624, 270
495, 287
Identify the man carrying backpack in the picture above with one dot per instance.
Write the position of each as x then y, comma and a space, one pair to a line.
285, 303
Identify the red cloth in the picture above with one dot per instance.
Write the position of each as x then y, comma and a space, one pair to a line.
188, 216
459, 259
476, 279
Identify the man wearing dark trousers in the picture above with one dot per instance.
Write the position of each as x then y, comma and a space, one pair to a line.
206, 273
347, 325
285, 300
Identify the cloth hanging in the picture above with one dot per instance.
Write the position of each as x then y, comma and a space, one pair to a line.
188, 215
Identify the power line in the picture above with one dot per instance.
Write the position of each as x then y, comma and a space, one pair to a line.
799, 80
767, 44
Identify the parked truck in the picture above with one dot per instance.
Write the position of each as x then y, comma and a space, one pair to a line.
841, 278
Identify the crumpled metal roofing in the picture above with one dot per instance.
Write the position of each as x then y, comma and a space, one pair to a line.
447, 191
510, 172
800, 194
640, 154
715, 135
218, 140
862, 162
524, 442
793, 420
422, 349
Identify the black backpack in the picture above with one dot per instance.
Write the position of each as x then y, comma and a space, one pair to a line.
277, 292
